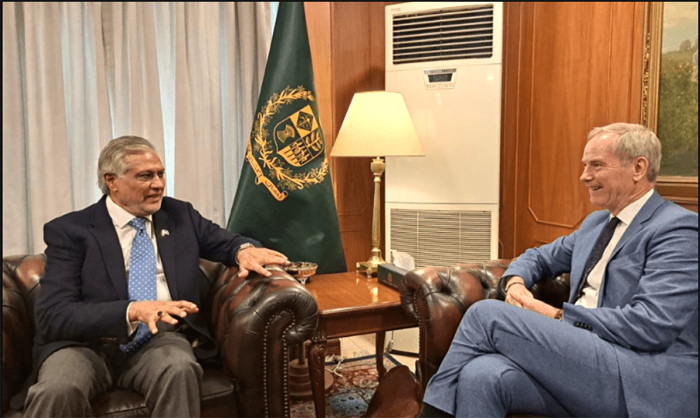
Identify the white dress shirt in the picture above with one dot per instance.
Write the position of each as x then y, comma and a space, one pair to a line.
591, 291
126, 234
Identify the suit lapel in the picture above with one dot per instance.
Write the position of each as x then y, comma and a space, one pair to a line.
106, 236
654, 202
637, 225
166, 248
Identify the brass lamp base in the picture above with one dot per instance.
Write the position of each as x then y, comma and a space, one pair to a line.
370, 267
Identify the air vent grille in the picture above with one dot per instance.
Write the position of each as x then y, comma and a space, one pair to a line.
442, 237
440, 35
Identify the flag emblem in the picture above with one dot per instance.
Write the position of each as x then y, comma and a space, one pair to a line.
285, 196
297, 139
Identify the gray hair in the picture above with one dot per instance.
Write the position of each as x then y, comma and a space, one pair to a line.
113, 155
634, 141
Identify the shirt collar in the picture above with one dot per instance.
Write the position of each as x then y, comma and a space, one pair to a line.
627, 214
120, 217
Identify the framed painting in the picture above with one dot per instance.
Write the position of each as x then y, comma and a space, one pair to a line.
670, 95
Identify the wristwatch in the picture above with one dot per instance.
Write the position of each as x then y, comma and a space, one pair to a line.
502, 286
559, 315
242, 247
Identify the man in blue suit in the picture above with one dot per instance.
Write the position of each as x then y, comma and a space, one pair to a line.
89, 314
626, 343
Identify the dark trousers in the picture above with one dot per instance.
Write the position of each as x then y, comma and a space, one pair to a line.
165, 372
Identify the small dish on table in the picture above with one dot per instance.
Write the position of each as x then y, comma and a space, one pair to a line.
301, 270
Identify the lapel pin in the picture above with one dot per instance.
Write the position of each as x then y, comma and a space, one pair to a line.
164, 232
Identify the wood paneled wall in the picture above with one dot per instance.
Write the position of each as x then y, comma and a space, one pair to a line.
347, 48
567, 68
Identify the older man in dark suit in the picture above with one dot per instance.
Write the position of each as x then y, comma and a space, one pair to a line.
119, 300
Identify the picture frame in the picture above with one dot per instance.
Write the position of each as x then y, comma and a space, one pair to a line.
682, 185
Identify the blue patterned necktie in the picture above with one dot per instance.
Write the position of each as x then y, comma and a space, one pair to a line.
598, 250
142, 279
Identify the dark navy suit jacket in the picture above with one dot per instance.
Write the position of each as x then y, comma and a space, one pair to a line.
84, 292
648, 303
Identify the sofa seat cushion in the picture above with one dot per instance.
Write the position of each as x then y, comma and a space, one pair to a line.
120, 403
218, 398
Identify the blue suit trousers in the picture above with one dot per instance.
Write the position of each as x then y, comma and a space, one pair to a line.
507, 360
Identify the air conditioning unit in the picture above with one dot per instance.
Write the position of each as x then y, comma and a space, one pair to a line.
442, 209
445, 58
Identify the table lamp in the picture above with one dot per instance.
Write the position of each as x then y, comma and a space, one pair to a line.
377, 125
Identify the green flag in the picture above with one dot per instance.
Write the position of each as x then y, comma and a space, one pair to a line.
285, 194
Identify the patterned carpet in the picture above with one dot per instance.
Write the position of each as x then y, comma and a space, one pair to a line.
352, 389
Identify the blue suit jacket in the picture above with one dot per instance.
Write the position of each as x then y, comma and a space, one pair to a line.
648, 304
84, 292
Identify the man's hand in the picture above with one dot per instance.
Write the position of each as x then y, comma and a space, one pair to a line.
253, 259
151, 311
519, 295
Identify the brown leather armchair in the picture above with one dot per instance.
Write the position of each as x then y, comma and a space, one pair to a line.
438, 297
264, 318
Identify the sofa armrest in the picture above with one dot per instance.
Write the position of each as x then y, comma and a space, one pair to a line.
20, 284
16, 340
550, 290
437, 297
553, 291
257, 321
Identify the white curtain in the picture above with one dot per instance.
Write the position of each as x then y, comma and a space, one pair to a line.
186, 76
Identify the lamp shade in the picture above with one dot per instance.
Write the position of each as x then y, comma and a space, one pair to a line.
377, 124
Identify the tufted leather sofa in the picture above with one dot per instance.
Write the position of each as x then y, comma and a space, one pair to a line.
438, 297
255, 321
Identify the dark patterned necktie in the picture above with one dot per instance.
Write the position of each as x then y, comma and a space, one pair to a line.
142, 279
598, 250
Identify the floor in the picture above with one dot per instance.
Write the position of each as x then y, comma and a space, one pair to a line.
364, 345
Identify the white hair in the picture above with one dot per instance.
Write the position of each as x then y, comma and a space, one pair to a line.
113, 155
634, 141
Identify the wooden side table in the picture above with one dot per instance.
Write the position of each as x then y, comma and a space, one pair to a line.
350, 304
